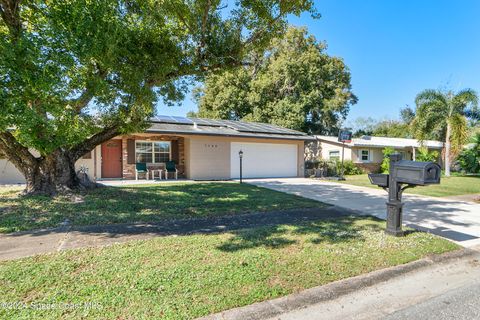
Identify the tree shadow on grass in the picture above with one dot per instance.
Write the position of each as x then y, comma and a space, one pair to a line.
331, 231
141, 203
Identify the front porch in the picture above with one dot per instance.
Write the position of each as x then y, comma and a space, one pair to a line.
119, 157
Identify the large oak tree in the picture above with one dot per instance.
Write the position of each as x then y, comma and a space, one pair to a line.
75, 73
294, 84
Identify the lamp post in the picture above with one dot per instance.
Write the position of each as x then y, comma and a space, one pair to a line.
240, 155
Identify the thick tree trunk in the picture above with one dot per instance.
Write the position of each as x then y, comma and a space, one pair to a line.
447, 150
51, 175
54, 172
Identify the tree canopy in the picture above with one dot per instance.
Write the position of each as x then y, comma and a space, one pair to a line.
386, 128
75, 73
294, 84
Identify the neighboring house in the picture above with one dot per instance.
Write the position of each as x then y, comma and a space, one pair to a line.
366, 152
202, 149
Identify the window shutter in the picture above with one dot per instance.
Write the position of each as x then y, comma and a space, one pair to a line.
131, 151
174, 153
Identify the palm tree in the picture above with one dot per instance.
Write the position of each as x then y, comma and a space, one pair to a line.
443, 116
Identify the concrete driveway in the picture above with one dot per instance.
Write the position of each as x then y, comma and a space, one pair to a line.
453, 219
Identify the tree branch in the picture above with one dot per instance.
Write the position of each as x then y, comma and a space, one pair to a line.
10, 13
256, 35
88, 145
82, 101
19, 155
203, 31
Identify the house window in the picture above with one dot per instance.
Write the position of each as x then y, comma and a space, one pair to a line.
152, 152
334, 155
365, 155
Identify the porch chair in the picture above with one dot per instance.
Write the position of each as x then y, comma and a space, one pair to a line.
141, 167
170, 167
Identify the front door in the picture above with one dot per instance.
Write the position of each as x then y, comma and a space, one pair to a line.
112, 159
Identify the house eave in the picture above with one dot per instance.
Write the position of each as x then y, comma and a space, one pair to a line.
252, 136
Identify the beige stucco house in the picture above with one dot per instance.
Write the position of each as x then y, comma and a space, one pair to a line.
366, 152
202, 149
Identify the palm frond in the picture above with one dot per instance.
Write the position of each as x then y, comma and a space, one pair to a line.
459, 135
465, 102
429, 121
430, 95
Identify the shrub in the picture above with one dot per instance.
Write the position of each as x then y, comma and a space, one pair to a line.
334, 167
469, 159
311, 164
385, 166
349, 168
424, 155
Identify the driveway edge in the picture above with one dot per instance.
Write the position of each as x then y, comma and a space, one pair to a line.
276, 307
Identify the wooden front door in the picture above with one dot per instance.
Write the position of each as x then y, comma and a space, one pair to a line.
112, 159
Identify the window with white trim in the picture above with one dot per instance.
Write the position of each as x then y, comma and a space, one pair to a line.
334, 155
152, 151
365, 155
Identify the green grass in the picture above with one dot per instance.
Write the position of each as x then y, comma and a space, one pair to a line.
449, 186
190, 276
141, 203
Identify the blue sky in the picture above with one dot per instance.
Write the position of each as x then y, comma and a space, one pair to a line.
394, 49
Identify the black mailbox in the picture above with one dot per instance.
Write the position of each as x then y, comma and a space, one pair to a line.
417, 173
403, 174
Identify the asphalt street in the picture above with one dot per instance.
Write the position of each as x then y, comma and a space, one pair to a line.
449, 290
461, 303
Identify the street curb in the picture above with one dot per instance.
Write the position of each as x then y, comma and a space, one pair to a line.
275, 307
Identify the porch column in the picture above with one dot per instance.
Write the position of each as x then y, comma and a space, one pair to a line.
413, 153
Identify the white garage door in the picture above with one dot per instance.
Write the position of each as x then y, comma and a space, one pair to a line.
264, 160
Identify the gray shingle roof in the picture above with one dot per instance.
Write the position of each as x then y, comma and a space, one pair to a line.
197, 126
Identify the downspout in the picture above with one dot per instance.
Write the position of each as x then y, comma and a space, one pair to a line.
95, 164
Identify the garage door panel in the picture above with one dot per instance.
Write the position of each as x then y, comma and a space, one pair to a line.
264, 160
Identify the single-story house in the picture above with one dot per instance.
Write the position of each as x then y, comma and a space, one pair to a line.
202, 149
367, 151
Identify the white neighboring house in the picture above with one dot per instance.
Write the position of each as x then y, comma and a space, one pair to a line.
367, 151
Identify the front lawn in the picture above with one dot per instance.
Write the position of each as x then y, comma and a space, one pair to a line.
185, 277
141, 203
449, 186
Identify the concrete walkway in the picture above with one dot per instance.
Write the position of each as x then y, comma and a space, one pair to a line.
24, 244
453, 219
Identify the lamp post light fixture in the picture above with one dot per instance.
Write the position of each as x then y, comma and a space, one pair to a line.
240, 155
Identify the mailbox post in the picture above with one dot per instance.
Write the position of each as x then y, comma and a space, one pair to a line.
394, 203
409, 174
